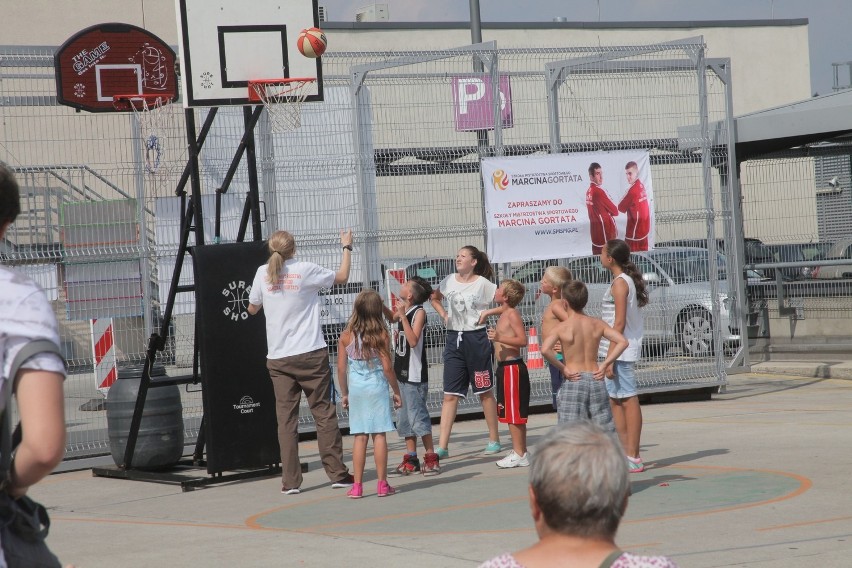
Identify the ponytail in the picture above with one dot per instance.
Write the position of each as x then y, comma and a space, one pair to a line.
619, 251
282, 247
483, 266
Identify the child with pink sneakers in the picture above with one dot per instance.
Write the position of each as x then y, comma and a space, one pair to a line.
365, 371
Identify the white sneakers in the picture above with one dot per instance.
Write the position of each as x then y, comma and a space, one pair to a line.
514, 460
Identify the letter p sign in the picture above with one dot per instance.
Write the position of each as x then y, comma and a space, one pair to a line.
472, 101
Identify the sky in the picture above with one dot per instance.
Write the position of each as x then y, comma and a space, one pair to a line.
829, 27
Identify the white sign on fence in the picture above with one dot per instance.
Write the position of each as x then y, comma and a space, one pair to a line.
565, 205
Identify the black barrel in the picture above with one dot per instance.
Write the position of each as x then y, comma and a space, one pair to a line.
159, 444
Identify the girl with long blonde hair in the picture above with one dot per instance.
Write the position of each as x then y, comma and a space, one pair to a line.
365, 371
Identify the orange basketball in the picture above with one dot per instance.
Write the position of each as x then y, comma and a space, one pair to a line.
311, 42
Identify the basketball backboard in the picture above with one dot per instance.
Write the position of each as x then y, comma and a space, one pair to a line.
226, 43
105, 60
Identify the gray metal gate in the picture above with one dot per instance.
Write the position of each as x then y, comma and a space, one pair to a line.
381, 154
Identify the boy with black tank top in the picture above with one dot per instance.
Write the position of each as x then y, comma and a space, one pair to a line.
412, 372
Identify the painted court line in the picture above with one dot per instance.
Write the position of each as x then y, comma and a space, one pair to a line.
804, 524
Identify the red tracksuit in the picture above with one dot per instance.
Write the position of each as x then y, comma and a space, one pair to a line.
635, 204
601, 213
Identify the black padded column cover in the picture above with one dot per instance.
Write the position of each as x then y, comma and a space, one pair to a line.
239, 403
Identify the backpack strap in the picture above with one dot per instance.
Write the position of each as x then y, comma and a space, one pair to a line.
27, 352
611, 558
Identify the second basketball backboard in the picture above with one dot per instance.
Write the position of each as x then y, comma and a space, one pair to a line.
226, 43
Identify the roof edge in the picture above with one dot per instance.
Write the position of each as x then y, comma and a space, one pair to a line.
567, 25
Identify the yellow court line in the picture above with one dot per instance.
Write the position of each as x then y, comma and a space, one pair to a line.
804, 482
251, 523
148, 523
804, 524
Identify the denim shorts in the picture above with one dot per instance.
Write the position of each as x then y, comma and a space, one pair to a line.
623, 382
413, 418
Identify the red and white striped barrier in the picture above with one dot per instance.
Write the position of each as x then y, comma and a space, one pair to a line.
394, 278
103, 352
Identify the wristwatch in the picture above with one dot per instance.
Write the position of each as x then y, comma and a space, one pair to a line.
347, 247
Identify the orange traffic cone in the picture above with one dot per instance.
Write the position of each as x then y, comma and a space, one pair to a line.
534, 358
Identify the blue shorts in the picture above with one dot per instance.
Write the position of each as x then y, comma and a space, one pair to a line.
623, 382
413, 418
467, 362
556, 378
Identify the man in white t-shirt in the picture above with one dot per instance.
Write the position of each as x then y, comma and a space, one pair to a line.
26, 315
297, 359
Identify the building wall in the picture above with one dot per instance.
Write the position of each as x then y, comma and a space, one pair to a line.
770, 58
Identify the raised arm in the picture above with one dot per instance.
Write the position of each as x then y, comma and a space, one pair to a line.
485, 314
558, 309
390, 315
436, 299
412, 331
342, 274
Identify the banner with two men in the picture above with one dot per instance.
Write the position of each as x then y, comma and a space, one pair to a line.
564, 205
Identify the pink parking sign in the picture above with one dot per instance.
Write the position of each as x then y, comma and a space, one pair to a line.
472, 102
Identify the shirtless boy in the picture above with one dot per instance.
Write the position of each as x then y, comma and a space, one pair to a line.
512, 378
583, 395
554, 278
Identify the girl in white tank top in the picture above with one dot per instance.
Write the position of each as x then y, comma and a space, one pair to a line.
621, 309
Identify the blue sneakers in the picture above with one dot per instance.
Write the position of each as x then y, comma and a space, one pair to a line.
442, 453
492, 448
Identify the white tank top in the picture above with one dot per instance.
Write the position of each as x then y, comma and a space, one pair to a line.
634, 327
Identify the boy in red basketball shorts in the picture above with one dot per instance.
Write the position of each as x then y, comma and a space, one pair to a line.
512, 378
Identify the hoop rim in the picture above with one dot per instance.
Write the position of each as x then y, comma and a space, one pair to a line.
253, 85
126, 101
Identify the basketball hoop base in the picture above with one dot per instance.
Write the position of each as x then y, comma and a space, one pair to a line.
283, 100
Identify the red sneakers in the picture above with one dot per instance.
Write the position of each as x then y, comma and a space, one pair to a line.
431, 464
410, 464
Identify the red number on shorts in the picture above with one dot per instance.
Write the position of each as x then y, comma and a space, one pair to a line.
482, 379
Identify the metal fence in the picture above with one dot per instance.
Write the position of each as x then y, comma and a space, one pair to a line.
798, 202
100, 228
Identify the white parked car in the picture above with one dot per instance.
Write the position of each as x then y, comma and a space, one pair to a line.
680, 309
839, 250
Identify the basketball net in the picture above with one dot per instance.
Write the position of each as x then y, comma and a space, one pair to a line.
283, 100
157, 125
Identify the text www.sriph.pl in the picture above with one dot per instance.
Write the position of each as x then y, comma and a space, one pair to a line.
557, 231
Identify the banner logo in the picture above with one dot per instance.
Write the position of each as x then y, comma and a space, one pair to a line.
236, 294
500, 179
246, 405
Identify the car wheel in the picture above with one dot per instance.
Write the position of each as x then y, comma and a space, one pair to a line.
695, 332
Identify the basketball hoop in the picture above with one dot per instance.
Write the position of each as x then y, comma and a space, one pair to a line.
154, 123
283, 100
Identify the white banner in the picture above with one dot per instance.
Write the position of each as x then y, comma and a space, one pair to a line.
540, 207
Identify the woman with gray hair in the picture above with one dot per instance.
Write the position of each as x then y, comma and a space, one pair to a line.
578, 494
